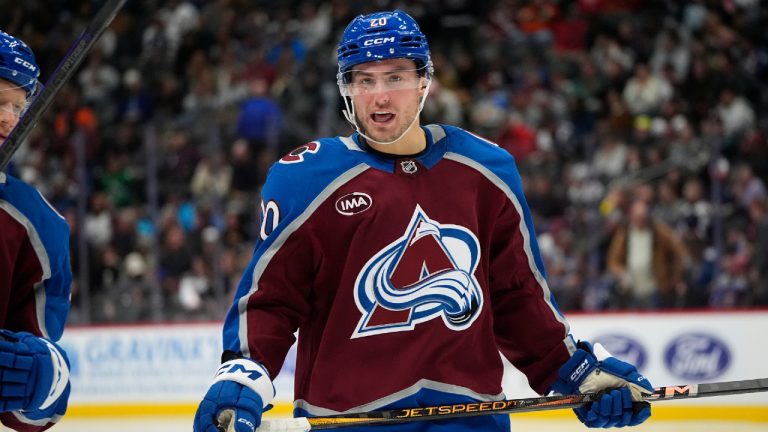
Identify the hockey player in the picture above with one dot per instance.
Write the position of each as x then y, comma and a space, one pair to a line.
35, 275
406, 258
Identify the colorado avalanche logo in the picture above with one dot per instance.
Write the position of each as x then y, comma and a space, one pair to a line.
425, 274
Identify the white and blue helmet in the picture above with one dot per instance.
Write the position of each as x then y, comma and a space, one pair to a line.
17, 64
381, 36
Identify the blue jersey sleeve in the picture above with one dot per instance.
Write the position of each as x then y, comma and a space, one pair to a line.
271, 295
36, 281
48, 235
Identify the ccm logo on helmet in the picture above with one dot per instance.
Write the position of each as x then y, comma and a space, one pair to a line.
378, 41
26, 64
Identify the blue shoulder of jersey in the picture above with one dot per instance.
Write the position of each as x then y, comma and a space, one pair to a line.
485, 152
49, 234
305, 175
296, 185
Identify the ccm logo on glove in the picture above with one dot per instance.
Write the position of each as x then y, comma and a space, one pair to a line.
583, 367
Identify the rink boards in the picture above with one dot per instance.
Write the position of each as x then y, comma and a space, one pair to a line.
166, 369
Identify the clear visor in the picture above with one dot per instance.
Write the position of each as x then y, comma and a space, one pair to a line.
17, 91
356, 82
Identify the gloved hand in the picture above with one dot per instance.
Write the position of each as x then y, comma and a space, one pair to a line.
34, 372
593, 369
241, 385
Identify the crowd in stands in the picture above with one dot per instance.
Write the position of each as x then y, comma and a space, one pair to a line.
639, 128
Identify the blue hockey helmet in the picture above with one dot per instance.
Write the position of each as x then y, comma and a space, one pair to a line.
17, 63
381, 36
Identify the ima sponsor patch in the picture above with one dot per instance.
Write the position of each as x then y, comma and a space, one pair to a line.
353, 203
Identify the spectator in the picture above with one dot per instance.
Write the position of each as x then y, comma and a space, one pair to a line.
98, 221
246, 173
179, 161
117, 181
179, 18
668, 208
686, 149
736, 115
570, 31
136, 103
535, 20
99, 80
610, 159
610, 56
517, 137
645, 92
747, 186
648, 260
697, 212
175, 261
671, 50
731, 287
315, 26
260, 120
130, 297
212, 178
195, 287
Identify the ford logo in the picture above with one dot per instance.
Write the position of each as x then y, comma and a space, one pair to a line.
353, 203
697, 356
624, 348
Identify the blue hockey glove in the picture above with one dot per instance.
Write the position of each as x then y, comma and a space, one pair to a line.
34, 372
241, 389
593, 369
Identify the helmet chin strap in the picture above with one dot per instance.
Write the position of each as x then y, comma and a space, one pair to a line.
349, 114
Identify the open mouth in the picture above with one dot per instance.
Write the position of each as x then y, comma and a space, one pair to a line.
382, 117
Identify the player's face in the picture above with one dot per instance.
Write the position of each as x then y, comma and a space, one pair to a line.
386, 96
12, 102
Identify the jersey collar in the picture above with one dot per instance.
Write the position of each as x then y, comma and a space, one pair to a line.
431, 155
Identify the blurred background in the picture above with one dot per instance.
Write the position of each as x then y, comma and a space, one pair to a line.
622, 115
157, 148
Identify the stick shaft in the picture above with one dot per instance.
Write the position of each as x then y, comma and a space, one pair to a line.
442, 412
63, 72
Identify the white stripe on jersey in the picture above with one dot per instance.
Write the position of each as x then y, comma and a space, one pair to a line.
42, 257
523, 230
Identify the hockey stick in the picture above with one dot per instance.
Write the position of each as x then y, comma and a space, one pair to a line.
442, 412
60, 75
